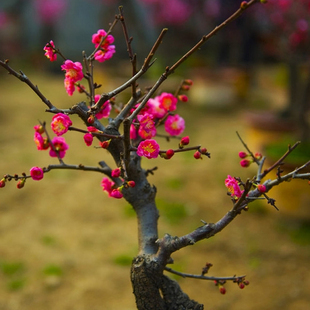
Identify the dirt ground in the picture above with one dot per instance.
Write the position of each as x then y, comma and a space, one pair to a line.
64, 245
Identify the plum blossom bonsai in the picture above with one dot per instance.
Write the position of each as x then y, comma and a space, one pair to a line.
131, 137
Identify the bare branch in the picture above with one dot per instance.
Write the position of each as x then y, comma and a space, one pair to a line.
203, 277
21, 76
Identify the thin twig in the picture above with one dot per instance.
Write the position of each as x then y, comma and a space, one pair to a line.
203, 277
21, 76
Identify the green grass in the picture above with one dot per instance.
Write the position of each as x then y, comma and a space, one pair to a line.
172, 211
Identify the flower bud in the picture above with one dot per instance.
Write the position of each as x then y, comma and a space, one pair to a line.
105, 144
91, 119
243, 154
116, 173
88, 139
116, 193
241, 285
21, 183
203, 150
222, 289
188, 82
185, 87
39, 129
81, 88
243, 5
258, 156
36, 173
2, 182
169, 153
197, 155
184, 141
245, 163
183, 98
261, 188
131, 183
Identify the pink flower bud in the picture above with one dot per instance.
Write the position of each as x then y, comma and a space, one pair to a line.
116, 193
91, 119
39, 129
105, 144
88, 139
169, 153
243, 5
241, 285
185, 87
197, 155
203, 150
81, 89
184, 141
258, 156
183, 98
92, 129
243, 154
222, 290
116, 173
2, 182
245, 163
36, 173
131, 183
261, 188
188, 82
21, 183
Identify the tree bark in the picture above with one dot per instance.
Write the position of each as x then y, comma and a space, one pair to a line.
155, 291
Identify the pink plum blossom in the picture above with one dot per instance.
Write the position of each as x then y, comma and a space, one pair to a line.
106, 50
168, 101
73, 70
108, 186
60, 147
105, 110
88, 139
60, 123
49, 49
233, 187
147, 127
148, 148
116, 193
174, 125
69, 86
41, 142
92, 129
133, 132
155, 108
39, 129
116, 173
36, 173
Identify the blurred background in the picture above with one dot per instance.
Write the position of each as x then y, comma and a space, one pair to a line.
65, 245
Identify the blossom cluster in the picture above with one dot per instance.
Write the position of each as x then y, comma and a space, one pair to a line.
103, 42
157, 111
104, 50
110, 186
57, 146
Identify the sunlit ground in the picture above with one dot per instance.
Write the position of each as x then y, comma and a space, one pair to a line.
65, 245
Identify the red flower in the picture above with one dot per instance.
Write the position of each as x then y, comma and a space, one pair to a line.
36, 173
49, 49
148, 148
